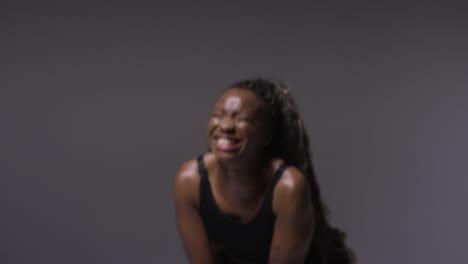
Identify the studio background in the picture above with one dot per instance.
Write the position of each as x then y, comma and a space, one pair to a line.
99, 105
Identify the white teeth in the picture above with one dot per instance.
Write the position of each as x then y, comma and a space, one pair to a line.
224, 141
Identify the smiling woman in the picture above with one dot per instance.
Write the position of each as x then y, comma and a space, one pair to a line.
253, 197
237, 126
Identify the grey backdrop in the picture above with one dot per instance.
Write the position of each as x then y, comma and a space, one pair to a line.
99, 106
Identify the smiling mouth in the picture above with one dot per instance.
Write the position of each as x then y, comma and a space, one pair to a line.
227, 144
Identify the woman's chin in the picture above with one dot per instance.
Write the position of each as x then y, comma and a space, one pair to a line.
226, 155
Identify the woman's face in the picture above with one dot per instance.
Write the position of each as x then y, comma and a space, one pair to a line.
238, 125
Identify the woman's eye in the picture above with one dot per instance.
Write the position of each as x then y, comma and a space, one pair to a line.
244, 118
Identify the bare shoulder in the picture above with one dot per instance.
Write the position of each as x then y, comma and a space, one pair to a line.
293, 188
292, 181
186, 183
187, 173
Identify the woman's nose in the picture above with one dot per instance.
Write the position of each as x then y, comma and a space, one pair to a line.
227, 124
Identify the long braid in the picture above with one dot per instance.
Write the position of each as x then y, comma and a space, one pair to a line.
291, 143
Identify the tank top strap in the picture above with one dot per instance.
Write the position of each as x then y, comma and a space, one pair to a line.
201, 167
268, 202
205, 188
278, 174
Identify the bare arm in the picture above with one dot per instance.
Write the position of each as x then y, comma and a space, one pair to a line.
294, 225
189, 222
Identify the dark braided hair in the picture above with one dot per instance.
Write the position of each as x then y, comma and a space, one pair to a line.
291, 143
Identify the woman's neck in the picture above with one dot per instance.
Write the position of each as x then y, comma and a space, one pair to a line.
244, 181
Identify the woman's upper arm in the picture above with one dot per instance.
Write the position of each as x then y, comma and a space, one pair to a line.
189, 222
294, 225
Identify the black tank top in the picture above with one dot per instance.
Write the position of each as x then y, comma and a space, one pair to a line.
231, 241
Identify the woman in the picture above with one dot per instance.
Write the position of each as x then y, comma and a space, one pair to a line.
253, 198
